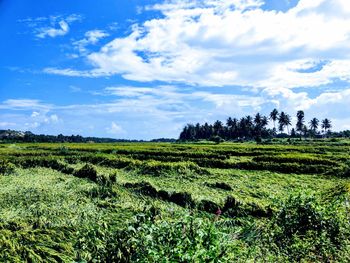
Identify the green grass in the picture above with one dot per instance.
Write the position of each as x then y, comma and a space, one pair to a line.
162, 202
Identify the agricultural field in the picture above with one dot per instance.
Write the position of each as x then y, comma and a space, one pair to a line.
282, 201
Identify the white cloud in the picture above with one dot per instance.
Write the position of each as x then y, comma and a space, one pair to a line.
91, 38
291, 74
53, 118
115, 129
23, 104
63, 29
35, 114
58, 25
229, 42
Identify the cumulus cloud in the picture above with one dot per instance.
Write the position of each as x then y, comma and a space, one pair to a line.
91, 38
115, 129
229, 42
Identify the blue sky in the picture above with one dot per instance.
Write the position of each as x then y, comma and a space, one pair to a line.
142, 69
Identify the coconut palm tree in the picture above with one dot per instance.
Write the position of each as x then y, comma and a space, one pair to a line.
314, 125
274, 117
284, 121
257, 119
264, 121
300, 121
326, 125
218, 128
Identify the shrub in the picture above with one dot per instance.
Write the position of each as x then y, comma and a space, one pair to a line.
304, 228
216, 139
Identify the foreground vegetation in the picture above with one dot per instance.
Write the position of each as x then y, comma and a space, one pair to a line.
284, 201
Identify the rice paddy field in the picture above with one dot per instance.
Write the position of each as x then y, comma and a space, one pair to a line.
282, 201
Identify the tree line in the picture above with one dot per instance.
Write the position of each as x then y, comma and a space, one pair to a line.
256, 127
11, 136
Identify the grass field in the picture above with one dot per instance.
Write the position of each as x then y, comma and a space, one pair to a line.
159, 202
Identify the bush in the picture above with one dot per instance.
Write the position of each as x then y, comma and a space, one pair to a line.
258, 140
216, 139
305, 229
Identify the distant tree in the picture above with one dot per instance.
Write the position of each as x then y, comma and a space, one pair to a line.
300, 121
260, 123
218, 128
313, 124
284, 121
188, 133
274, 117
293, 133
305, 130
264, 121
257, 123
247, 128
229, 122
257, 119
207, 131
326, 125
232, 125
198, 131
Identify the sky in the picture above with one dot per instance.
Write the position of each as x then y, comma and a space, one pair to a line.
142, 69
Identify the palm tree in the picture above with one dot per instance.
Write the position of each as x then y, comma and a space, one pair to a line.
234, 128
300, 121
218, 128
229, 122
249, 125
314, 125
257, 122
284, 120
274, 117
249, 120
326, 125
264, 122
257, 119
287, 121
